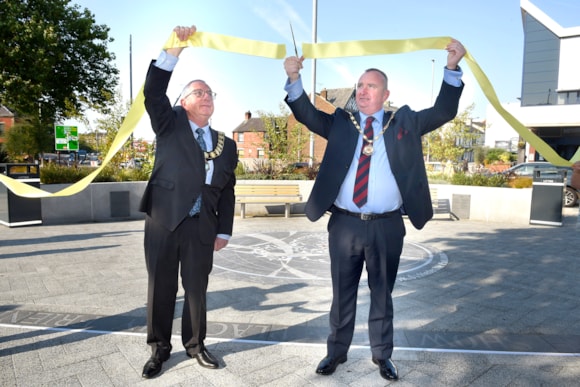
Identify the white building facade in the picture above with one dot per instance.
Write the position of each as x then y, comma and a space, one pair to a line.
550, 98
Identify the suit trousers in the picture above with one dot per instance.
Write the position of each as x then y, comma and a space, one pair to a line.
378, 244
165, 251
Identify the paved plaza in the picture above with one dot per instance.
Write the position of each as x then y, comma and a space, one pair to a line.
476, 304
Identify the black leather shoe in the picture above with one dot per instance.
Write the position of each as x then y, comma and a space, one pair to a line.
205, 359
153, 366
387, 368
328, 365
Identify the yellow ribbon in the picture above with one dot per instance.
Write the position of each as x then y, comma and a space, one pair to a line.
199, 39
371, 47
127, 127
229, 44
376, 47
278, 51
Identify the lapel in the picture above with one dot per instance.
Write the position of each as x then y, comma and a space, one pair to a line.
214, 136
388, 133
185, 135
386, 117
357, 118
188, 144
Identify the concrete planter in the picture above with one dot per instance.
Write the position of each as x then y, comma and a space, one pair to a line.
488, 204
102, 202
99, 202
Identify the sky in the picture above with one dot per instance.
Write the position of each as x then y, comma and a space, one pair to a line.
491, 31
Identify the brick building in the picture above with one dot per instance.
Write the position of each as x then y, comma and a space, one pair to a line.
6, 121
328, 100
250, 134
249, 137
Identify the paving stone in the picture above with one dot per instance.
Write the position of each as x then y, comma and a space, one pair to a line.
500, 309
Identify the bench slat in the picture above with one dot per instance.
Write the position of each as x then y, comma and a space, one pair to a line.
266, 194
265, 200
267, 190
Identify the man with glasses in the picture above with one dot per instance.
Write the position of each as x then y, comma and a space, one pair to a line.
189, 202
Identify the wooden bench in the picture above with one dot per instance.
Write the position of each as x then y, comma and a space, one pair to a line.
267, 194
441, 206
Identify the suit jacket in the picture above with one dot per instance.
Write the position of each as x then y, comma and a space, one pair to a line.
178, 175
402, 141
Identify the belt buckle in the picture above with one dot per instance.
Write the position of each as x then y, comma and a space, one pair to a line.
366, 216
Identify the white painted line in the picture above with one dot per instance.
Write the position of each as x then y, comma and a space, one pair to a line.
298, 344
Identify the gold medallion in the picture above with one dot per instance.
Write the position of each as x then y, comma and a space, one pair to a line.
368, 149
218, 149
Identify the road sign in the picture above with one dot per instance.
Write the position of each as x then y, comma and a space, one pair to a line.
66, 138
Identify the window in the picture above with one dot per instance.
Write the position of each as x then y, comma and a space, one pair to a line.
240, 153
1, 128
260, 153
240, 137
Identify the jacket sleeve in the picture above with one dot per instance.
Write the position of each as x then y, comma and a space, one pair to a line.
157, 103
444, 109
315, 120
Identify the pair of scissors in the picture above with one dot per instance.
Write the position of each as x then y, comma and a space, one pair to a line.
294, 40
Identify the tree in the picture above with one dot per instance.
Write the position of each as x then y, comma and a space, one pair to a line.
109, 124
54, 62
284, 144
453, 140
88, 142
27, 138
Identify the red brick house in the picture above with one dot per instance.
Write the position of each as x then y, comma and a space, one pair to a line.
6, 121
249, 135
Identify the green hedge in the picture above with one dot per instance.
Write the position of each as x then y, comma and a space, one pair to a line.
60, 174
479, 180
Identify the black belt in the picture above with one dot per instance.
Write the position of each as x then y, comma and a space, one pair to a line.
363, 216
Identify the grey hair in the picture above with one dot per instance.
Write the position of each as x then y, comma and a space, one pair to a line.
186, 89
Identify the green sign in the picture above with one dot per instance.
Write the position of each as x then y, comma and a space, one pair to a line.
66, 138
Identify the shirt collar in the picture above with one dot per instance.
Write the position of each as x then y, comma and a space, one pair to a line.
194, 127
378, 116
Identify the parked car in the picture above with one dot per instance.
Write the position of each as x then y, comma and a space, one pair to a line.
571, 195
434, 166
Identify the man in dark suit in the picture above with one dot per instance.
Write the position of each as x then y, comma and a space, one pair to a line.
366, 179
189, 201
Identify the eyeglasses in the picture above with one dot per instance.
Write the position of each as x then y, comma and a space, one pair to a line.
199, 93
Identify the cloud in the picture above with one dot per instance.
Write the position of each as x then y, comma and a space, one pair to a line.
278, 14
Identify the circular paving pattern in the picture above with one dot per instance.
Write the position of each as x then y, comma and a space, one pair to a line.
292, 256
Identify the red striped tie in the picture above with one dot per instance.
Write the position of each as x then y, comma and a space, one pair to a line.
364, 165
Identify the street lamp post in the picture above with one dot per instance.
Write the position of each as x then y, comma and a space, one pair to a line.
313, 95
432, 85
131, 88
